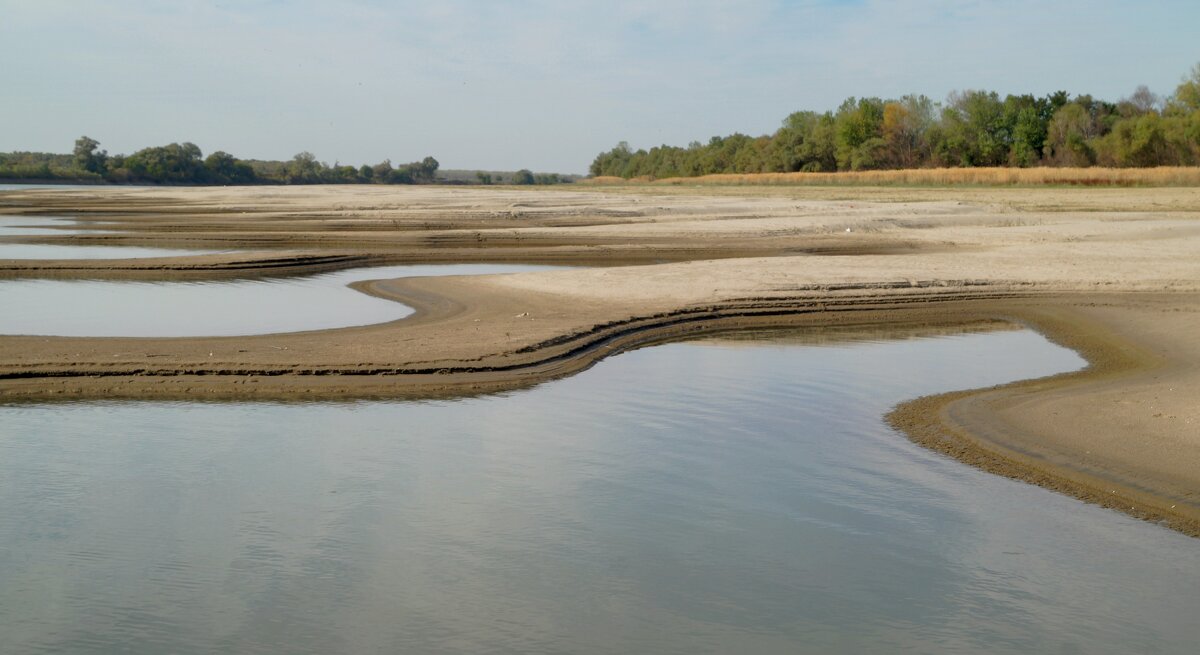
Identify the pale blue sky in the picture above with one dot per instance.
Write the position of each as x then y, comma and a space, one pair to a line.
544, 84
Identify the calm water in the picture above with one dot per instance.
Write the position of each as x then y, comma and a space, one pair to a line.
20, 226
223, 308
30, 187
40, 225
50, 251
705, 497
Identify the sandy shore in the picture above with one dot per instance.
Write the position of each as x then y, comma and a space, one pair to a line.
1112, 273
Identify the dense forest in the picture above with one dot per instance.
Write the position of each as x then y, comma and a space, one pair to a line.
184, 163
972, 128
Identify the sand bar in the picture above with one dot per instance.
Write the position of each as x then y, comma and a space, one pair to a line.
1113, 273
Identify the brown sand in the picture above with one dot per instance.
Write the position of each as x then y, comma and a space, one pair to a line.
1114, 274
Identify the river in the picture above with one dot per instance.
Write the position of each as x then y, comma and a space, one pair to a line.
726, 495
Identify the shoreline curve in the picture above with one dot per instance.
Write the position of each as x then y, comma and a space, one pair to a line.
1112, 273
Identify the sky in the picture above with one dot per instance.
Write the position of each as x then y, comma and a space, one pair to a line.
544, 84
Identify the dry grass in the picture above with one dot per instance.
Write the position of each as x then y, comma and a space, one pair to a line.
1102, 177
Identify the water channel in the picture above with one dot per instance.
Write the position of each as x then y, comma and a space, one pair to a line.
14, 226
21, 226
221, 308
739, 494
727, 495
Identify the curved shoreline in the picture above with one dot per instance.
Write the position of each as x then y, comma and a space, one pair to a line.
1121, 286
438, 302
961, 424
974, 426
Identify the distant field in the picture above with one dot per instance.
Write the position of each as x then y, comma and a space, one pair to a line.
1163, 176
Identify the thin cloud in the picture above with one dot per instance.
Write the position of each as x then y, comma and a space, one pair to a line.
544, 85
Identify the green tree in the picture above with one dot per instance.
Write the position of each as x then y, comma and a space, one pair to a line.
1143, 141
425, 170
1067, 137
304, 169
523, 176
859, 132
382, 172
224, 168
613, 162
175, 163
974, 131
1028, 119
973, 128
86, 156
1187, 94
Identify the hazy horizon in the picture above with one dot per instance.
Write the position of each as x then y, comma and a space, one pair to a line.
544, 86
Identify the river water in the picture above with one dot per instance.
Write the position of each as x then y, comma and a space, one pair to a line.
14, 226
96, 308
717, 496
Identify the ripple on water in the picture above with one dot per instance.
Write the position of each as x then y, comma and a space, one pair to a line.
680, 498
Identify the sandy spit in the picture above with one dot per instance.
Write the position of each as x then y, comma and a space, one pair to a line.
1114, 274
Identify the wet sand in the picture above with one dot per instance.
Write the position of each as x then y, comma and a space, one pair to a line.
1112, 273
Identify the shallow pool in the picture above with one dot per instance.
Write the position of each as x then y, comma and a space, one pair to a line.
222, 308
723, 496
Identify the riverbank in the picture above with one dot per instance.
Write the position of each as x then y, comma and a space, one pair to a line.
1114, 274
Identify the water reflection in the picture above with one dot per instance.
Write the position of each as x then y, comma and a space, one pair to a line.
57, 187
50, 251
21, 226
222, 308
681, 498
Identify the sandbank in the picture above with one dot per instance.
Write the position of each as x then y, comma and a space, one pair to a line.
1112, 273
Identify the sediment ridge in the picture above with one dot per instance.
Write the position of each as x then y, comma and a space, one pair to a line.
1121, 286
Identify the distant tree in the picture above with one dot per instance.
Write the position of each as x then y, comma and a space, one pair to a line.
523, 176
859, 133
366, 173
425, 170
1150, 140
904, 129
974, 130
1028, 119
814, 141
1187, 94
382, 172
483, 178
224, 168
304, 169
613, 162
340, 174
1141, 101
1067, 137
175, 163
86, 156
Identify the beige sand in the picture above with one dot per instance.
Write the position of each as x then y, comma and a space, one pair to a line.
1114, 273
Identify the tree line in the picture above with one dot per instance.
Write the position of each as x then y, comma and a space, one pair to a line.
184, 163
972, 128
